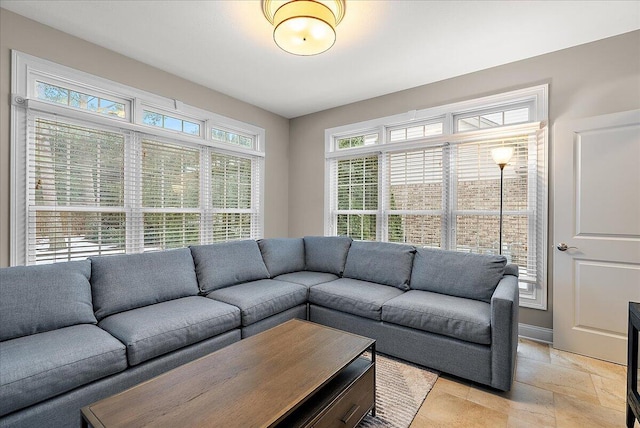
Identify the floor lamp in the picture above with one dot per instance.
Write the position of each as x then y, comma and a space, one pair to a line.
501, 156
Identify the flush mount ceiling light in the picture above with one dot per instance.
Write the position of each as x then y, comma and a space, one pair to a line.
304, 27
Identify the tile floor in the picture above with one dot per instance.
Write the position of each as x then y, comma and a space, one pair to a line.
552, 389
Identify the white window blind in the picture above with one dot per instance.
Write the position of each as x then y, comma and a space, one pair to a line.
415, 203
447, 196
476, 201
355, 199
170, 195
234, 181
96, 191
75, 192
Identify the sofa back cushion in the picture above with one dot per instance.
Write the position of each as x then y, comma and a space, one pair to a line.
381, 262
326, 253
472, 276
124, 282
282, 255
228, 263
35, 299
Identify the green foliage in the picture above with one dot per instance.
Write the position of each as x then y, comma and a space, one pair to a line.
78, 166
67, 97
357, 187
231, 226
358, 184
231, 181
170, 176
171, 230
347, 143
357, 226
105, 228
395, 224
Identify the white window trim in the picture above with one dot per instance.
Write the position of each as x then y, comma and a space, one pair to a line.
26, 69
536, 97
488, 110
175, 115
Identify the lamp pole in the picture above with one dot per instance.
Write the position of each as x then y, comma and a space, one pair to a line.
501, 156
501, 165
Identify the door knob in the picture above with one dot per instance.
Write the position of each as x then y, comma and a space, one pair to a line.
564, 247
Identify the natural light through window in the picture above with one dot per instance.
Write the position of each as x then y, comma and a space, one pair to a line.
433, 182
103, 177
67, 97
169, 122
232, 138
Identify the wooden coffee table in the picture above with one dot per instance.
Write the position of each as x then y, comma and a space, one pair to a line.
298, 374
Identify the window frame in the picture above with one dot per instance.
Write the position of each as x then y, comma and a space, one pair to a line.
172, 115
535, 98
491, 110
70, 86
406, 126
28, 69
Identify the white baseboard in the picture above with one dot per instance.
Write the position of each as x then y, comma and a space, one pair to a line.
533, 332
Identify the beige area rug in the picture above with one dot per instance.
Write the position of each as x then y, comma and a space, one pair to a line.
401, 388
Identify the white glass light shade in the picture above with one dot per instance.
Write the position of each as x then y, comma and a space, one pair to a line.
338, 8
502, 155
304, 27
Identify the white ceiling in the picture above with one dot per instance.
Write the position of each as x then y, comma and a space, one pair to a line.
383, 46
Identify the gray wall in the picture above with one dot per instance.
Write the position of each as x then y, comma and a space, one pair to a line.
17, 32
587, 80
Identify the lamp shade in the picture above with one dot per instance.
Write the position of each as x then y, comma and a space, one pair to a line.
502, 155
304, 27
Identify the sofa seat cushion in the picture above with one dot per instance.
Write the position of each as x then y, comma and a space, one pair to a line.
158, 329
228, 263
464, 319
258, 300
353, 296
123, 282
326, 253
381, 262
282, 255
307, 278
36, 299
472, 276
40, 366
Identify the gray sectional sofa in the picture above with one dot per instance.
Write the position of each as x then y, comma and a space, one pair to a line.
75, 332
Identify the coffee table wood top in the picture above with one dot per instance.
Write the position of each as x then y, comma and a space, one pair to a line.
256, 382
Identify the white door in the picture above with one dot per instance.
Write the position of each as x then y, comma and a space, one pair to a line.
596, 174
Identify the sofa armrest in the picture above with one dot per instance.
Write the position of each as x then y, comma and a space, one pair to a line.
504, 332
